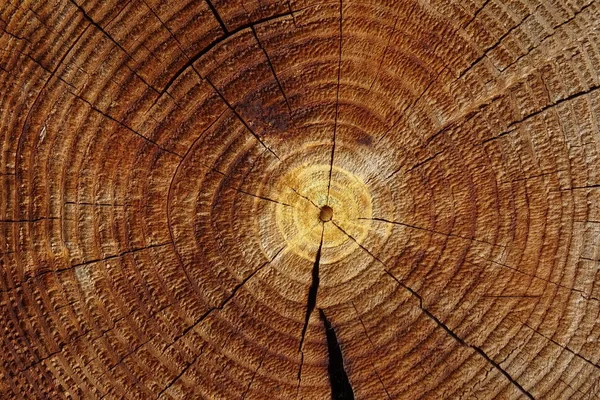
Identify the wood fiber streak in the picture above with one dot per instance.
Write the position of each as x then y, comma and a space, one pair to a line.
299, 199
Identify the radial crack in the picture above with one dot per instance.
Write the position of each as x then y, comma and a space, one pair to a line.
217, 16
180, 374
535, 176
226, 300
337, 105
572, 289
387, 45
219, 40
240, 117
310, 305
439, 323
430, 230
338, 378
417, 165
512, 127
259, 197
554, 31
497, 43
82, 264
590, 362
312, 292
28, 220
476, 348
121, 254
582, 187
179, 45
254, 375
85, 203
103, 31
243, 191
305, 198
374, 348
408, 107
272, 68
479, 10
127, 127
356, 241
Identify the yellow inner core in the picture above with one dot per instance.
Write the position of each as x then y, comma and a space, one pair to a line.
317, 206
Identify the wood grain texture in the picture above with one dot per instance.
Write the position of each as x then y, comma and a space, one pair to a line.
265, 199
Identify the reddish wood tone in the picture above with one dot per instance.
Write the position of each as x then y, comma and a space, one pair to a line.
265, 199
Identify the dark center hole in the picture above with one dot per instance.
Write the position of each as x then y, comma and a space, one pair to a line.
326, 214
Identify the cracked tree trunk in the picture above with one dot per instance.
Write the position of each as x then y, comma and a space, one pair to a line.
240, 199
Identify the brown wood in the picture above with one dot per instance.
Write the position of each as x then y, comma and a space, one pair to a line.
258, 199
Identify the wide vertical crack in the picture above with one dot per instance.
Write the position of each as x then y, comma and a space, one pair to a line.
312, 291
310, 304
341, 389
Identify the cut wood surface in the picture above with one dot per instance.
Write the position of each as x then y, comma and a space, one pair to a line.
264, 199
